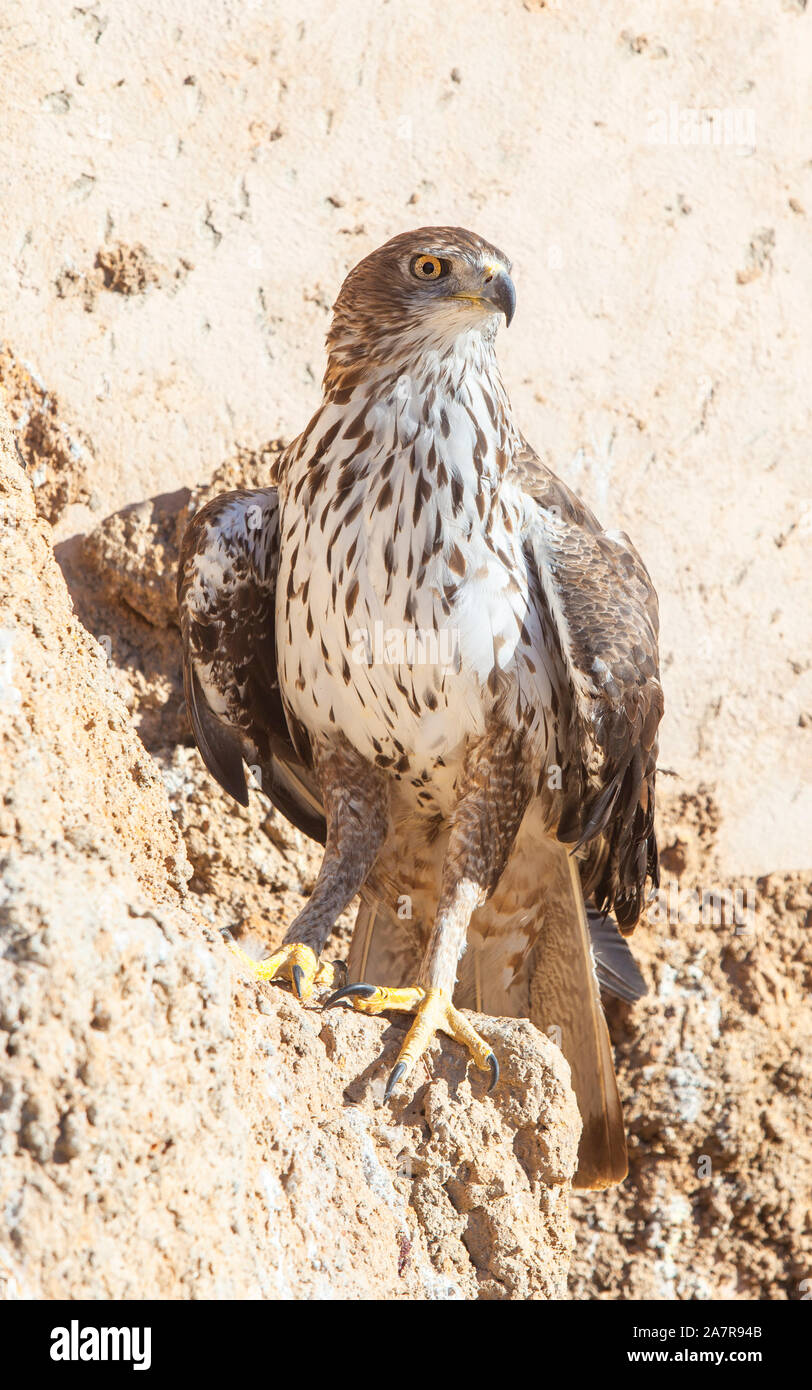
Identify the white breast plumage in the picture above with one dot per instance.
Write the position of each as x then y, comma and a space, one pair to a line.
404, 608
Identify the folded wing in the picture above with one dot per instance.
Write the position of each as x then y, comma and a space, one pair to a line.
600, 607
226, 600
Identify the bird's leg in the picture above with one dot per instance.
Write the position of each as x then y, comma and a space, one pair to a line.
356, 806
494, 793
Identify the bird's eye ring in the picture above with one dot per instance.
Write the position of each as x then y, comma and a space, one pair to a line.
429, 267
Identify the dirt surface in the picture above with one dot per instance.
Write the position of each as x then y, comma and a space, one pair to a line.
55, 456
187, 189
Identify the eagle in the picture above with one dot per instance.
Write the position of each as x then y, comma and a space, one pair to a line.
447, 673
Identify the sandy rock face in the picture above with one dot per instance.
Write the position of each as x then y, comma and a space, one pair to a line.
73, 769
169, 1128
186, 187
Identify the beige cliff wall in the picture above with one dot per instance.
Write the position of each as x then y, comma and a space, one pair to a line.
183, 189
246, 155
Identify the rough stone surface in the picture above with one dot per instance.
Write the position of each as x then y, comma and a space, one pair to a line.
184, 189
54, 456
168, 1127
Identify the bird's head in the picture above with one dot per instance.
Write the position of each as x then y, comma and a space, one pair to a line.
419, 293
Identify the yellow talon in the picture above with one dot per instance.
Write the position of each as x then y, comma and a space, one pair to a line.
294, 962
401, 1000
433, 1012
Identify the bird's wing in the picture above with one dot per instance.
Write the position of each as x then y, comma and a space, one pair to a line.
226, 600
599, 612
600, 608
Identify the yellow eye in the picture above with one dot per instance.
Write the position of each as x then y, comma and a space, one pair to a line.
429, 267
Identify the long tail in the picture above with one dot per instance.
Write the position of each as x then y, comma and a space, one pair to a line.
383, 950
556, 985
565, 1003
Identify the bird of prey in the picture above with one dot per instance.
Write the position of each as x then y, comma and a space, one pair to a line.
447, 672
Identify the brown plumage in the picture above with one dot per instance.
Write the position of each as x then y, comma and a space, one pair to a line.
448, 673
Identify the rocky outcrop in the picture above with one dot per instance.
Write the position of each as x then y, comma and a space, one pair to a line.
174, 243
168, 1127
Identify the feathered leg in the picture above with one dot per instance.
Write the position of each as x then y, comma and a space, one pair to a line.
493, 796
356, 803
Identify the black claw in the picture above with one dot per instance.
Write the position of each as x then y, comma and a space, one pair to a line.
298, 980
395, 1076
494, 1066
348, 991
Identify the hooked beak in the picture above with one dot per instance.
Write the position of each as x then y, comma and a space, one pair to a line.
500, 292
